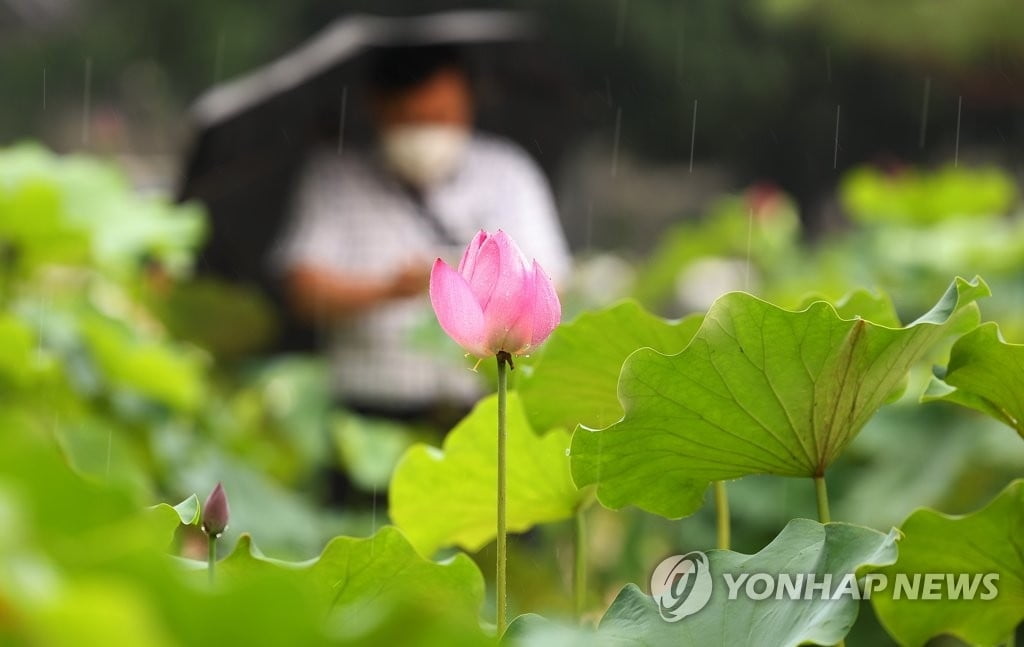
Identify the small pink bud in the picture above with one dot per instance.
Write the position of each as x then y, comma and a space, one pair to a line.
496, 300
216, 512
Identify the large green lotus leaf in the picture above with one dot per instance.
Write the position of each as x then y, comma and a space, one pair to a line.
575, 377
448, 496
355, 579
760, 389
984, 373
990, 540
803, 547
876, 308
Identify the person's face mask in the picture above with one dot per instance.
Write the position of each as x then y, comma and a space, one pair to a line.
423, 154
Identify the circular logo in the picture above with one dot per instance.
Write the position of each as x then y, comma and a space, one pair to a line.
681, 585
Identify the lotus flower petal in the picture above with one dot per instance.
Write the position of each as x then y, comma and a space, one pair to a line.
515, 338
483, 270
469, 256
497, 300
457, 309
547, 309
499, 282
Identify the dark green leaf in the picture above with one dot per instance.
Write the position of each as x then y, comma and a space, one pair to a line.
758, 390
984, 373
802, 549
986, 541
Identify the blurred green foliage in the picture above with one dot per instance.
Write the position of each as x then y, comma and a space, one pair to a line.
110, 349
96, 376
960, 35
83, 563
926, 198
909, 232
124, 382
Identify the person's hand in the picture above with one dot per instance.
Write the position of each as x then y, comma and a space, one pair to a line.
411, 280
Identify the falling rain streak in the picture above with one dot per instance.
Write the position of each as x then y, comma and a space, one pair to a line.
44, 88
956, 146
835, 148
86, 99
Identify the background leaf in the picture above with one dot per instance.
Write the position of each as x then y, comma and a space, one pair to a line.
984, 373
574, 380
876, 308
188, 510
447, 496
369, 448
986, 541
370, 575
735, 401
173, 516
803, 547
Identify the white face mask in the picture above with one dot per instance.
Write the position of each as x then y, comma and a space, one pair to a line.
423, 154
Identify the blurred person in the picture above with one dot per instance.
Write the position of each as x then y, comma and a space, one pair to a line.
366, 227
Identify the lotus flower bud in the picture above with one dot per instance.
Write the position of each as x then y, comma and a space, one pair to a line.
496, 300
216, 512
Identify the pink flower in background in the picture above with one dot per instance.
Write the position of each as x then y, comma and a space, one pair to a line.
497, 300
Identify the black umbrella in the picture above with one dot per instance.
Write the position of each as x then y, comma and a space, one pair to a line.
253, 133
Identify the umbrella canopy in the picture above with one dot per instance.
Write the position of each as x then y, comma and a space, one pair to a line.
254, 133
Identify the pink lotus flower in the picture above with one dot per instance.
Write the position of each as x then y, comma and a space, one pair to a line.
496, 300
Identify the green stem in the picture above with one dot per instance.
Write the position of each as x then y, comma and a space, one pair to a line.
500, 579
722, 515
580, 563
1012, 639
822, 492
211, 552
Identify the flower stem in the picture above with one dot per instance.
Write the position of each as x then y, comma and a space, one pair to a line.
580, 562
822, 492
211, 560
722, 515
500, 578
